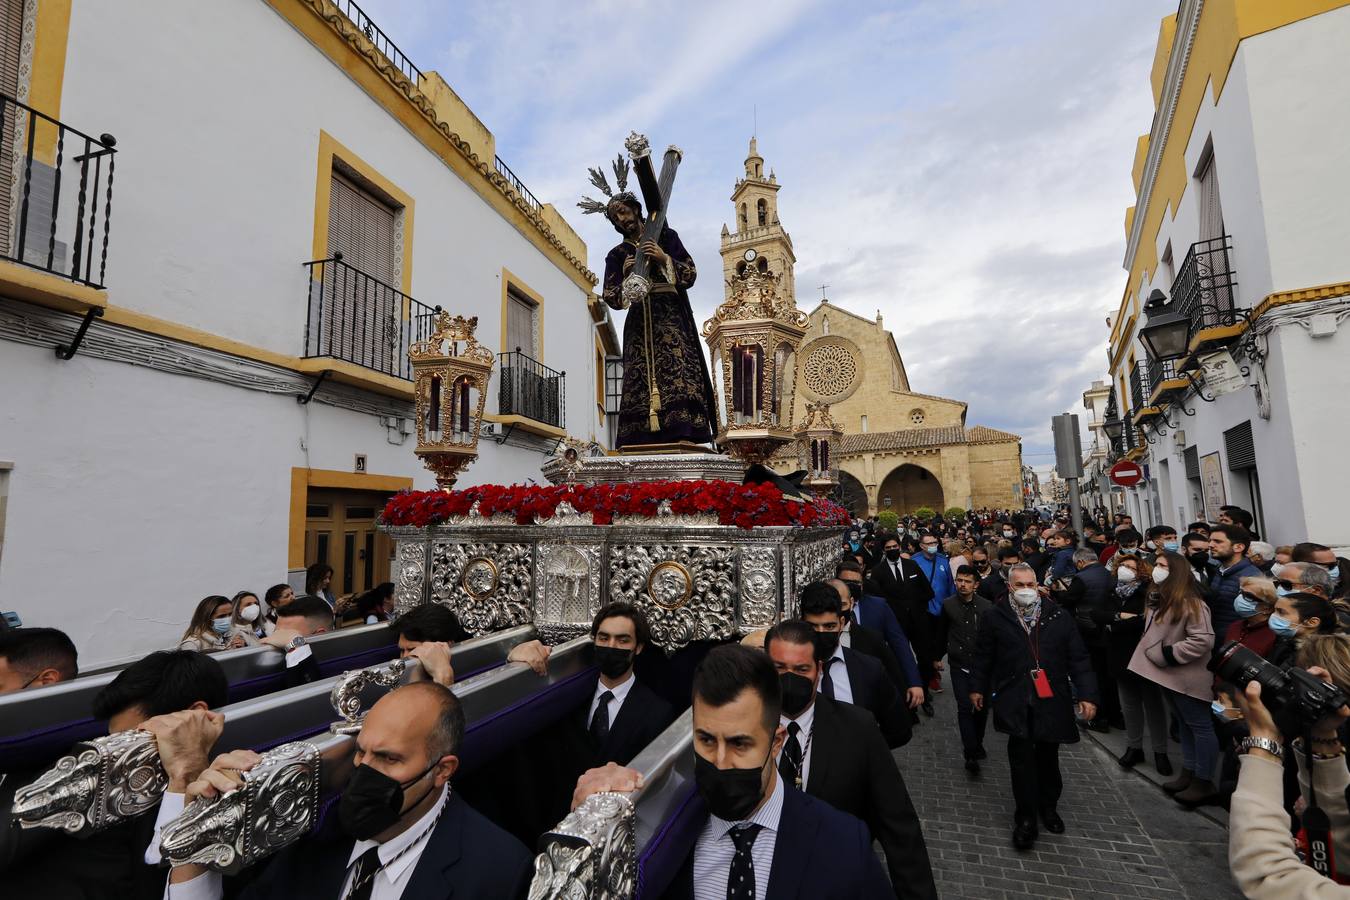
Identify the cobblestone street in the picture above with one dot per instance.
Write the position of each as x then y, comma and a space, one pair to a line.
1124, 836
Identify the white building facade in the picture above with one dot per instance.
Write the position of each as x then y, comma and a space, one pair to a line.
1242, 222
290, 198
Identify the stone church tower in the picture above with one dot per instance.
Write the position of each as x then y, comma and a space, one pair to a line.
901, 450
759, 238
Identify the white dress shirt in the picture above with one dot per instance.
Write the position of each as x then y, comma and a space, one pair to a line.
806, 722
620, 692
170, 807
714, 849
846, 633
390, 881
843, 691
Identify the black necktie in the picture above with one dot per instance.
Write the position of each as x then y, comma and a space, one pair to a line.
790, 762
741, 881
827, 683
363, 879
600, 721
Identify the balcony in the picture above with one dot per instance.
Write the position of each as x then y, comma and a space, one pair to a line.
529, 392
356, 318
1204, 290
377, 37
1139, 392
56, 189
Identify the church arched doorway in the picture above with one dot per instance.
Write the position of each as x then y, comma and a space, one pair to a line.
851, 495
909, 487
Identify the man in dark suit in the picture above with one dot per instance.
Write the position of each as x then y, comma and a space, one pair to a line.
1091, 599
907, 591
837, 753
169, 694
871, 611
849, 675
622, 715
994, 585
765, 839
433, 845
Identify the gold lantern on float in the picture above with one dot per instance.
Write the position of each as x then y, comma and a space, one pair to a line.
450, 380
754, 337
818, 437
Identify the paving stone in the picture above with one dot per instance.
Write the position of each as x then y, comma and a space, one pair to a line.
1124, 837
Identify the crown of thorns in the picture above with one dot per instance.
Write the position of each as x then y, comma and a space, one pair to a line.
590, 205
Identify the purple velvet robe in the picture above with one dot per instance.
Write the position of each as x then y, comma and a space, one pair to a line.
687, 406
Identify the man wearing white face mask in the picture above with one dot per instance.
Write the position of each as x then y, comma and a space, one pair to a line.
1029, 663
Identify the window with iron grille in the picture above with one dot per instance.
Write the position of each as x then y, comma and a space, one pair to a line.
613, 384
363, 307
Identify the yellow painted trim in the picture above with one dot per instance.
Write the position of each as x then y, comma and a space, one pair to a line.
511, 281
51, 34
1301, 295
304, 479
52, 291
1123, 343
525, 423
1146, 413
1223, 25
1170, 384
324, 26
330, 147
1217, 333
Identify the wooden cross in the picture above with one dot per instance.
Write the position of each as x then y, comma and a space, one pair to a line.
656, 199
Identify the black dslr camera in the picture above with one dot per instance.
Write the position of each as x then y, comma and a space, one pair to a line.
1295, 699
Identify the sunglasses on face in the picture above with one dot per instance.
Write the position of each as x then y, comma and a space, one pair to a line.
1285, 583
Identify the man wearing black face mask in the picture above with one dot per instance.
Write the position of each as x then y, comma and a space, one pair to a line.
854, 772
623, 715
907, 591
849, 675
759, 838
404, 832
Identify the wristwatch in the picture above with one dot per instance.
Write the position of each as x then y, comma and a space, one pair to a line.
1260, 743
297, 641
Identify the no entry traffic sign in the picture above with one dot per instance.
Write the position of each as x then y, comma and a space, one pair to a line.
1126, 473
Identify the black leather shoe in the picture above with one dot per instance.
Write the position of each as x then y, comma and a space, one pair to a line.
1024, 835
1052, 822
1131, 758
973, 766
1162, 764
928, 709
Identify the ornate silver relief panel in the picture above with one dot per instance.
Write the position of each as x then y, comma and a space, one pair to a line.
567, 589
410, 572
688, 592
488, 585
102, 782
759, 588
591, 855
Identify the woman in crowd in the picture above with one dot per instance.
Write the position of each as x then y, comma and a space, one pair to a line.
1297, 616
376, 605
956, 554
1141, 701
276, 598
318, 579
209, 630
1264, 863
247, 620
1173, 653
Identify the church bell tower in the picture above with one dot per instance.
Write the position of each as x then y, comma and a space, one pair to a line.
758, 239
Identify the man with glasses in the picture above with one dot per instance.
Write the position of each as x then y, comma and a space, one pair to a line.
1324, 556
1304, 578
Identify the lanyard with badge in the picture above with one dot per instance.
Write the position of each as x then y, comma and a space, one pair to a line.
1038, 676
801, 761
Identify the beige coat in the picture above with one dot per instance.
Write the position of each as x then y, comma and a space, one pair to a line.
1260, 850
1174, 655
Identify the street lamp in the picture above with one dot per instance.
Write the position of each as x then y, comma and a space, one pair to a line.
1114, 428
1168, 332
450, 379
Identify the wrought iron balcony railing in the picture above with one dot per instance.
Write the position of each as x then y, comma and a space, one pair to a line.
376, 36
1139, 386
519, 186
1206, 283
55, 194
359, 319
529, 388
1160, 370
1131, 437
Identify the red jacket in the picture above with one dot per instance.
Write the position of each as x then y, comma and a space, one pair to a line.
1257, 638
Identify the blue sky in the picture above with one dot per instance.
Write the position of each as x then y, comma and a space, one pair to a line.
963, 167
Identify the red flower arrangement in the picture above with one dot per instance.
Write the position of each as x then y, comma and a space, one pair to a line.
742, 505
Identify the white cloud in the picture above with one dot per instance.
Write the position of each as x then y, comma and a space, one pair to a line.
963, 167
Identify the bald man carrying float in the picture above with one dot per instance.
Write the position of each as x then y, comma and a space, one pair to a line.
402, 833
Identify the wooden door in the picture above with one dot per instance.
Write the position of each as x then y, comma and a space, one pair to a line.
340, 531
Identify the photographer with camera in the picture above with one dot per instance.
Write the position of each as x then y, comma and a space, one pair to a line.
1172, 653
1311, 703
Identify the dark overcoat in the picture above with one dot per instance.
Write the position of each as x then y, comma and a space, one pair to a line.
1002, 666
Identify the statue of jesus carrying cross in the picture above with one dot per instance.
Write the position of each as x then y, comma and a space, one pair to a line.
649, 273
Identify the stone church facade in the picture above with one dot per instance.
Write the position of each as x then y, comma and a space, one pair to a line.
901, 449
